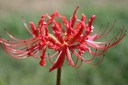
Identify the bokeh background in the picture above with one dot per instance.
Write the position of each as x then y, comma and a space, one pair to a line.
112, 71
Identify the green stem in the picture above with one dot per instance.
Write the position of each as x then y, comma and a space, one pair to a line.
58, 76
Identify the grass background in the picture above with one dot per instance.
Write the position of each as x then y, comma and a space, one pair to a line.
112, 71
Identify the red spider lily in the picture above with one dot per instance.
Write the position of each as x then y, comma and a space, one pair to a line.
75, 36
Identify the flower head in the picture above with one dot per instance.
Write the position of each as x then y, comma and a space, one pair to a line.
67, 38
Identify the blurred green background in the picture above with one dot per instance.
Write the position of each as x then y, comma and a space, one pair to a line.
112, 71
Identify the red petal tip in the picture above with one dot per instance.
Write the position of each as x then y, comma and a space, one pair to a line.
31, 23
50, 69
93, 16
77, 7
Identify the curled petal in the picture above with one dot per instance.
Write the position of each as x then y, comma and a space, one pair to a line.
35, 32
60, 60
77, 36
26, 26
43, 62
73, 19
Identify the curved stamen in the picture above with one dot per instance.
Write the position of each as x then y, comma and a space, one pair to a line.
26, 26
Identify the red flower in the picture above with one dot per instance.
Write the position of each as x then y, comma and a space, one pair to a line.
69, 36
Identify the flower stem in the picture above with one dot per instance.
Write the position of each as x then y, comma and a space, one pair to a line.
58, 76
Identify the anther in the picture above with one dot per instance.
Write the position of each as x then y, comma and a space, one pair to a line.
96, 49
48, 54
103, 55
105, 44
125, 31
115, 20
109, 44
5, 29
115, 40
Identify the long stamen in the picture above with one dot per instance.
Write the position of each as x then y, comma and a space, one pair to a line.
50, 35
